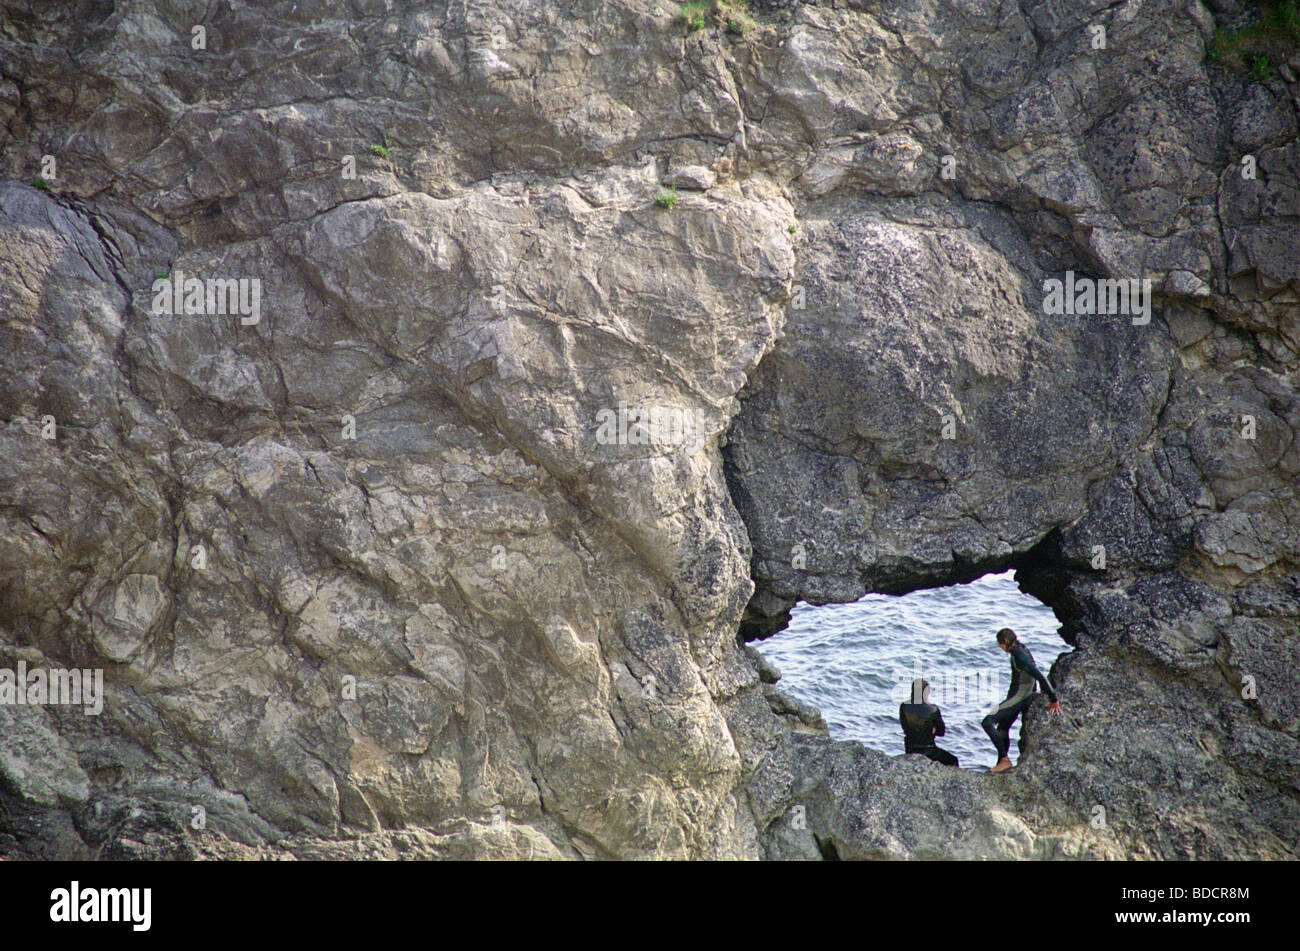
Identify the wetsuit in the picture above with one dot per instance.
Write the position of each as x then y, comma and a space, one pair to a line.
922, 722
1024, 680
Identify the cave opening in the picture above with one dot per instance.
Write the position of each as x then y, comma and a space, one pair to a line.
855, 662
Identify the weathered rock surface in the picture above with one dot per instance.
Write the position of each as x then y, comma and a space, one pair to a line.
385, 570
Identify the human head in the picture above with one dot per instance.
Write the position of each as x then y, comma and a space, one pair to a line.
920, 691
1006, 639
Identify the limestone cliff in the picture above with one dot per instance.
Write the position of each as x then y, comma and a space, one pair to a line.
365, 574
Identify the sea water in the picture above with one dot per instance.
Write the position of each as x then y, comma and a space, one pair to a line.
855, 661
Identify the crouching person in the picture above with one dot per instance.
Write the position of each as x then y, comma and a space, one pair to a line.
922, 722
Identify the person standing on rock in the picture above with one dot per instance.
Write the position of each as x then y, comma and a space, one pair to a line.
1025, 678
922, 722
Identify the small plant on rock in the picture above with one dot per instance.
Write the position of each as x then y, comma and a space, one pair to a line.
739, 23
666, 199
693, 14
732, 13
1273, 37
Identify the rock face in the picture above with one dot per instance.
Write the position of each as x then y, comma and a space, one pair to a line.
440, 535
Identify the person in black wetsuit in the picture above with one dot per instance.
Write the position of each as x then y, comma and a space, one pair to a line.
922, 722
1025, 678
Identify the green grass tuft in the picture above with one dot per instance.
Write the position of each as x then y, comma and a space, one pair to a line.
667, 198
1273, 38
693, 14
739, 25
41, 183
380, 150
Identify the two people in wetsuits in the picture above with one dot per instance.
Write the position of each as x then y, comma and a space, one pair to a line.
922, 721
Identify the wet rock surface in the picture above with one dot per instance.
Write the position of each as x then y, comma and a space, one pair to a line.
381, 561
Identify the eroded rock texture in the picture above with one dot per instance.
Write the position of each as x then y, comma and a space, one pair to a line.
365, 581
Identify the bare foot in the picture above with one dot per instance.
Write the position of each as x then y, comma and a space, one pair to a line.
1003, 765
